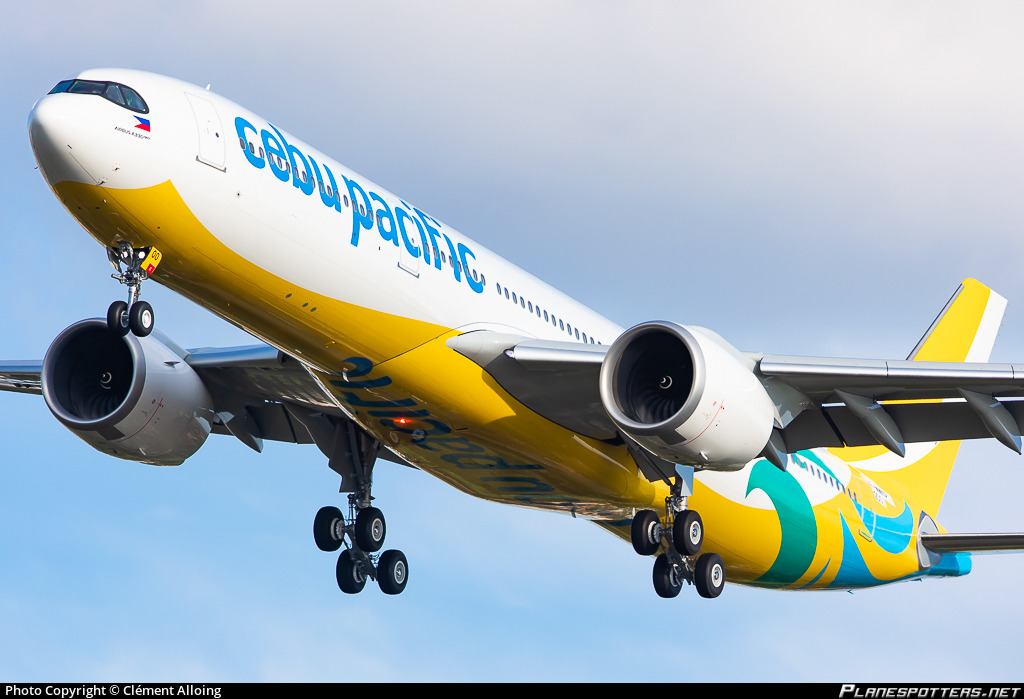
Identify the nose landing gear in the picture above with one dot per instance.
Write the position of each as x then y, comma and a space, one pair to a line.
134, 315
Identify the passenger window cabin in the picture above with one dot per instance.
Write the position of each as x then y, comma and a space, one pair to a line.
531, 307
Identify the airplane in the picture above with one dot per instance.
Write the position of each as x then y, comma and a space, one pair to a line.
386, 334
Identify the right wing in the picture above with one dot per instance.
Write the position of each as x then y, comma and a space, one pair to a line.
21, 377
258, 393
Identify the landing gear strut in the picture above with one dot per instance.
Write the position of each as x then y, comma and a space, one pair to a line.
682, 538
134, 315
362, 531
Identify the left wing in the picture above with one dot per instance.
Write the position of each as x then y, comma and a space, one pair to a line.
840, 401
820, 402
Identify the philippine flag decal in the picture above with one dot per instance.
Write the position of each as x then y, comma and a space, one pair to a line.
143, 123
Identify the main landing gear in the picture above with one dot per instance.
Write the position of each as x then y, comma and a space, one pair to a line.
134, 315
682, 539
362, 531
362, 534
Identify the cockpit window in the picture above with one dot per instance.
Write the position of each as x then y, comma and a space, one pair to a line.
133, 100
121, 95
87, 87
113, 93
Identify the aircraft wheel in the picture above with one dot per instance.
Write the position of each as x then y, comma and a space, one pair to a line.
688, 533
350, 573
370, 529
392, 572
645, 532
117, 318
667, 582
140, 319
323, 528
709, 575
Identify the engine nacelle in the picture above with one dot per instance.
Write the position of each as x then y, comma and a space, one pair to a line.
130, 397
686, 395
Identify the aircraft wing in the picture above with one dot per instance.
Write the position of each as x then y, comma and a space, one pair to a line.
258, 393
821, 402
847, 402
21, 377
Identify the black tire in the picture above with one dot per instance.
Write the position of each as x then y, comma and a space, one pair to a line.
370, 529
688, 533
709, 575
323, 528
392, 572
667, 582
141, 319
117, 320
645, 532
350, 573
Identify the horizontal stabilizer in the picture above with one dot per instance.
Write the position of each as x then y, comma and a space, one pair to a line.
974, 543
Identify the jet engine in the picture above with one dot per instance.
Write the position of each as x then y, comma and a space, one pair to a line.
130, 397
686, 395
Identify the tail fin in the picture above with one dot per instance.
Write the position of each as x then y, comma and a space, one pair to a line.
964, 331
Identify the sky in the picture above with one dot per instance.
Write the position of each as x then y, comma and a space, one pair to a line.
809, 178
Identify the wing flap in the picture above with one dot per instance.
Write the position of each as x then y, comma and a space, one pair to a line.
837, 426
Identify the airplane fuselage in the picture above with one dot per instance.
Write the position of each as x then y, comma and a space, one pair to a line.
365, 289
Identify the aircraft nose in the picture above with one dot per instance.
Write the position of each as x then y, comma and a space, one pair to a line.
53, 133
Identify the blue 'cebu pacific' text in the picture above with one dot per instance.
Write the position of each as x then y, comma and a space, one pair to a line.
403, 226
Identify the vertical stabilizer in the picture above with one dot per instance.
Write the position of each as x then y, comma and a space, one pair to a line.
965, 330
